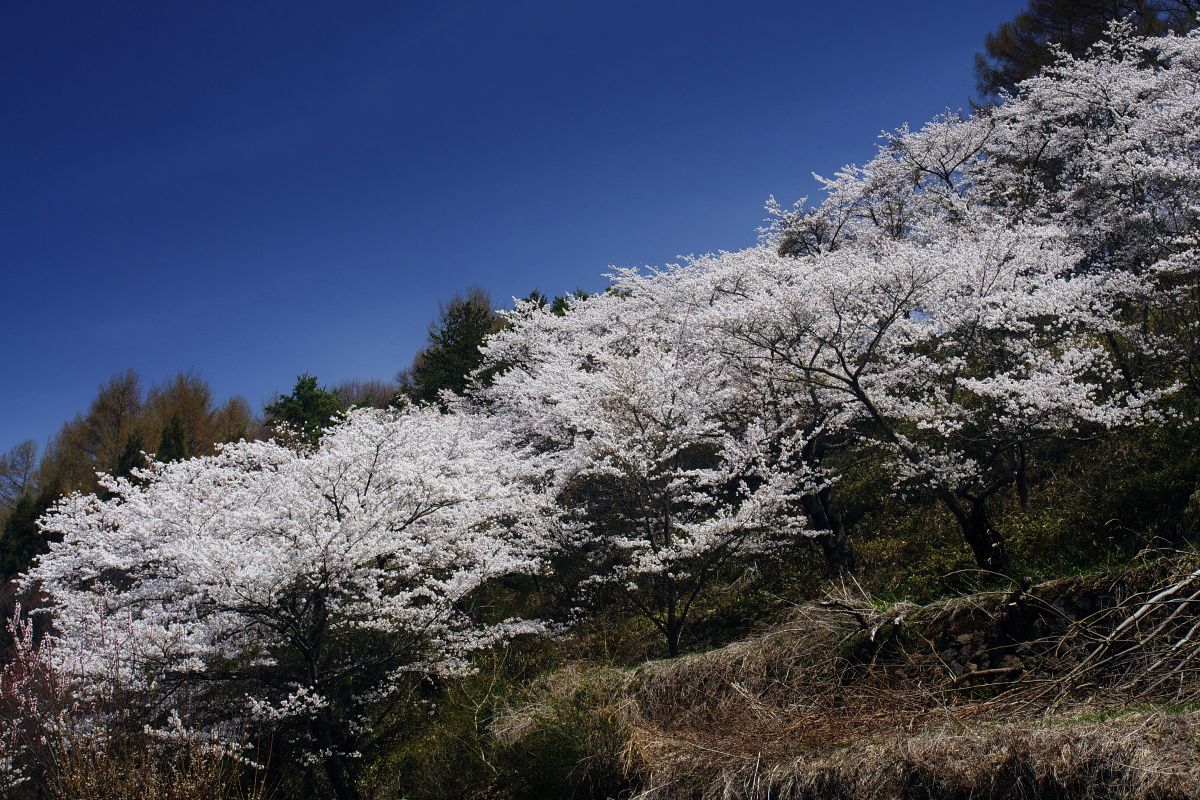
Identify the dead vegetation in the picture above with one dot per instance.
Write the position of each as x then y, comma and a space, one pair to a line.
1080, 688
1141, 756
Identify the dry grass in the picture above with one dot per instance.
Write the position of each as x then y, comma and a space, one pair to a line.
137, 770
1139, 757
994, 695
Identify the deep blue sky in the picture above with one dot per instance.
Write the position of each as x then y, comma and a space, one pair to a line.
253, 191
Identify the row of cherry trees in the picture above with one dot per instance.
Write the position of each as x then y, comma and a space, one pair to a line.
981, 286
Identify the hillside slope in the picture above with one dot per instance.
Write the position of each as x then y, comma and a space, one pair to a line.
1080, 687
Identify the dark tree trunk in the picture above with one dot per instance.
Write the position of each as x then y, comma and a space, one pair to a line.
986, 543
673, 632
674, 623
323, 726
337, 771
824, 515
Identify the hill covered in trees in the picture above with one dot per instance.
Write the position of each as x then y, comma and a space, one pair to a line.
899, 502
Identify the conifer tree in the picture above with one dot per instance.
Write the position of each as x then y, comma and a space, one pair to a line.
306, 412
1026, 44
173, 444
21, 540
132, 457
452, 354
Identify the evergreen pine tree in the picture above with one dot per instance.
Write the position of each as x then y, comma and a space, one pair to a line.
173, 444
131, 457
21, 541
452, 354
1023, 46
307, 411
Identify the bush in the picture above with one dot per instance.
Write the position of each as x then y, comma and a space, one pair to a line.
60, 743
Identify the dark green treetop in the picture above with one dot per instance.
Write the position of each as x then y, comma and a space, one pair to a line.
306, 412
21, 540
172, 446
1021, 47
452, 354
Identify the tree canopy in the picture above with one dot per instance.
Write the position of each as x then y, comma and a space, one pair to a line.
303, 586
1025, 45
452, 354
306, 412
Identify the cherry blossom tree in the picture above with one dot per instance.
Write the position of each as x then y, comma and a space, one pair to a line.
953, 351
725, 299
1035, 266
957, 348
313, 589
1105, 147
662, 453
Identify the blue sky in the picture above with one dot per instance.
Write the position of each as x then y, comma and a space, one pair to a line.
252, 191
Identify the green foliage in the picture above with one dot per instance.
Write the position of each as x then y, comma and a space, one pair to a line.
132, 457
172, 446
569, 742
518, 729
307, 411
452, 354
1021, 47
913, 550
561, 304
1101, 502
21, 540
507, 732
